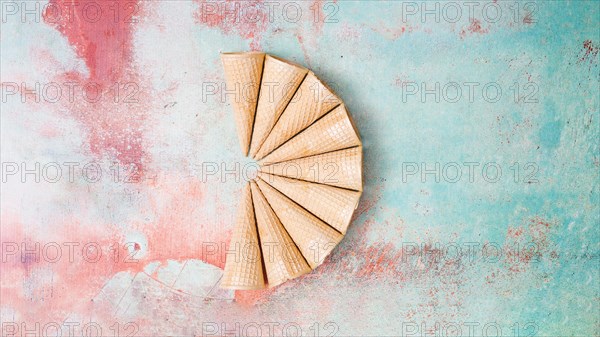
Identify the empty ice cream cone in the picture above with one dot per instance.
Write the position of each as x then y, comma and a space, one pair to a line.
341, 168
333, 205
243, 268
312, 100
242, 77
280, 80
314, 238
334, 131
282, 259
310, 179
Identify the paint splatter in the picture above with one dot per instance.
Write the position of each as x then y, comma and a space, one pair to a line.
526, 247
589, 53
349, 33
393, 33
528, 19
247, 19
474, 28
401, 80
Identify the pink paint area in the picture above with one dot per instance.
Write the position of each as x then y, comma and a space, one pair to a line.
246, 19
110, 102
180, 231
64, 283
99, 31
61, 275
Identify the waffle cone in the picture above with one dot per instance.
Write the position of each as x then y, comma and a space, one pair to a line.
312, 100
332, 132
314, 238
243, 73
282, 259
333, 205
243, 269
280, 80
341, 168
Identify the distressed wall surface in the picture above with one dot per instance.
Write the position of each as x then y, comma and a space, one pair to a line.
480, 214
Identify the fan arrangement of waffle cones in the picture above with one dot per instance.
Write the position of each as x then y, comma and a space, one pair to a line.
298, 208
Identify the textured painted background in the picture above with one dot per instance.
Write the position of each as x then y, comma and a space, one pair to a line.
514, 250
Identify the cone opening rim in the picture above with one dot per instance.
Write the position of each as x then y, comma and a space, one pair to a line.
242, 54
288, 62
349, 118
242, 287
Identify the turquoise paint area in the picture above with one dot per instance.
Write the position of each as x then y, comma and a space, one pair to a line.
543, 133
